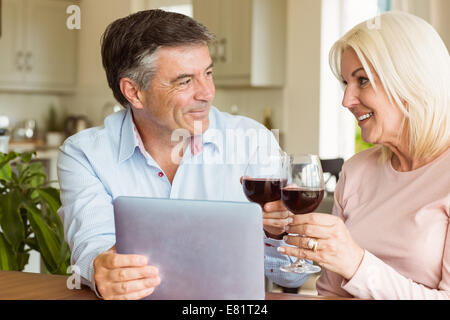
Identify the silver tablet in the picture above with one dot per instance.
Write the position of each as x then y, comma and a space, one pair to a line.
204, 250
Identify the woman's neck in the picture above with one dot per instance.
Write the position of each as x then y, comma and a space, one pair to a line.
403, 161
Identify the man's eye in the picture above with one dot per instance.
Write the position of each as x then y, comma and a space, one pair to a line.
186, 82
209, 73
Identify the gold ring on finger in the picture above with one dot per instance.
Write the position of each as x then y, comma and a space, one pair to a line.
313, 244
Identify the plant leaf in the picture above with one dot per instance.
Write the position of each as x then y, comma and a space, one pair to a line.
22, 260
47, 240
50, 197
11, 220
34, 180
64, 263
26, 156
26, 171
31, 242
5, 172
7, 258
6, 158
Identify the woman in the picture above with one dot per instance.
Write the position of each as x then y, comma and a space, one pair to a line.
389, 235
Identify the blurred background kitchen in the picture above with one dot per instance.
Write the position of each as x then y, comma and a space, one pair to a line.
271, 64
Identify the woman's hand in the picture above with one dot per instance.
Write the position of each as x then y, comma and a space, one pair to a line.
336, 250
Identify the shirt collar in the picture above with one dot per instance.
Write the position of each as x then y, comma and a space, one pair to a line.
213, 135
130, 138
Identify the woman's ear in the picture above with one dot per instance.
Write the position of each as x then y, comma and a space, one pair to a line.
131, 92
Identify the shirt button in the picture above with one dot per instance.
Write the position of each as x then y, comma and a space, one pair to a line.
160, 174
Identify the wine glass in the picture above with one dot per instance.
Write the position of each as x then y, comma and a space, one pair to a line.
302, 190
261, 181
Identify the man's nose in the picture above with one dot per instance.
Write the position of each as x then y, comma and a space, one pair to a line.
351, 97
205, 90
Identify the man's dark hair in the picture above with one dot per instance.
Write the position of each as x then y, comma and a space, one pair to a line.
129, 45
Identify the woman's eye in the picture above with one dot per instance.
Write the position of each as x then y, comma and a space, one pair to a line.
363, 81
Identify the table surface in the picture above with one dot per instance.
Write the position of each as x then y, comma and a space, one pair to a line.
16, 285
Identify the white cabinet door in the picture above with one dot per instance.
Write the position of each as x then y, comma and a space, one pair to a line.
235, 38
50, 45
208, 14
11, 43
250, 47
229, 21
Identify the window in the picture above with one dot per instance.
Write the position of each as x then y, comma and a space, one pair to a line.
384, 5
338, 132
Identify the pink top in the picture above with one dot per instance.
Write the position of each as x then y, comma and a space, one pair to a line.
401, 219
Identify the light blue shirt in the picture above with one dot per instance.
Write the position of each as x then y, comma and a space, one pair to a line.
100, 164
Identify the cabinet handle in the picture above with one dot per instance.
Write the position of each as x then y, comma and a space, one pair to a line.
19, 60
28, 65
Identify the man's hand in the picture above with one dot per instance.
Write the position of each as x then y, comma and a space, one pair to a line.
275, 219
124, 276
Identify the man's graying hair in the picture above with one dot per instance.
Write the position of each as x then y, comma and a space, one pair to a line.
130, 45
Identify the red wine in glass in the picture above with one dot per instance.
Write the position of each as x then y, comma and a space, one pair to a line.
262, 177
302, 190
261, 190
301, 200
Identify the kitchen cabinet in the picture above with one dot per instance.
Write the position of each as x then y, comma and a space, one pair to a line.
250, 45
37, 50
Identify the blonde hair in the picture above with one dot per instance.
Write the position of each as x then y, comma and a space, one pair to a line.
413, 65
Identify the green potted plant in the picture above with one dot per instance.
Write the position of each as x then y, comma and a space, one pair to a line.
28, 216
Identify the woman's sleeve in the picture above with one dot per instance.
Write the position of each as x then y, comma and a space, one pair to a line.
375, 279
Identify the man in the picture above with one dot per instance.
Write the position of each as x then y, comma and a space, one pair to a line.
159, 68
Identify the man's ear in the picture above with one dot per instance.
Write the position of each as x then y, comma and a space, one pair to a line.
131, 92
